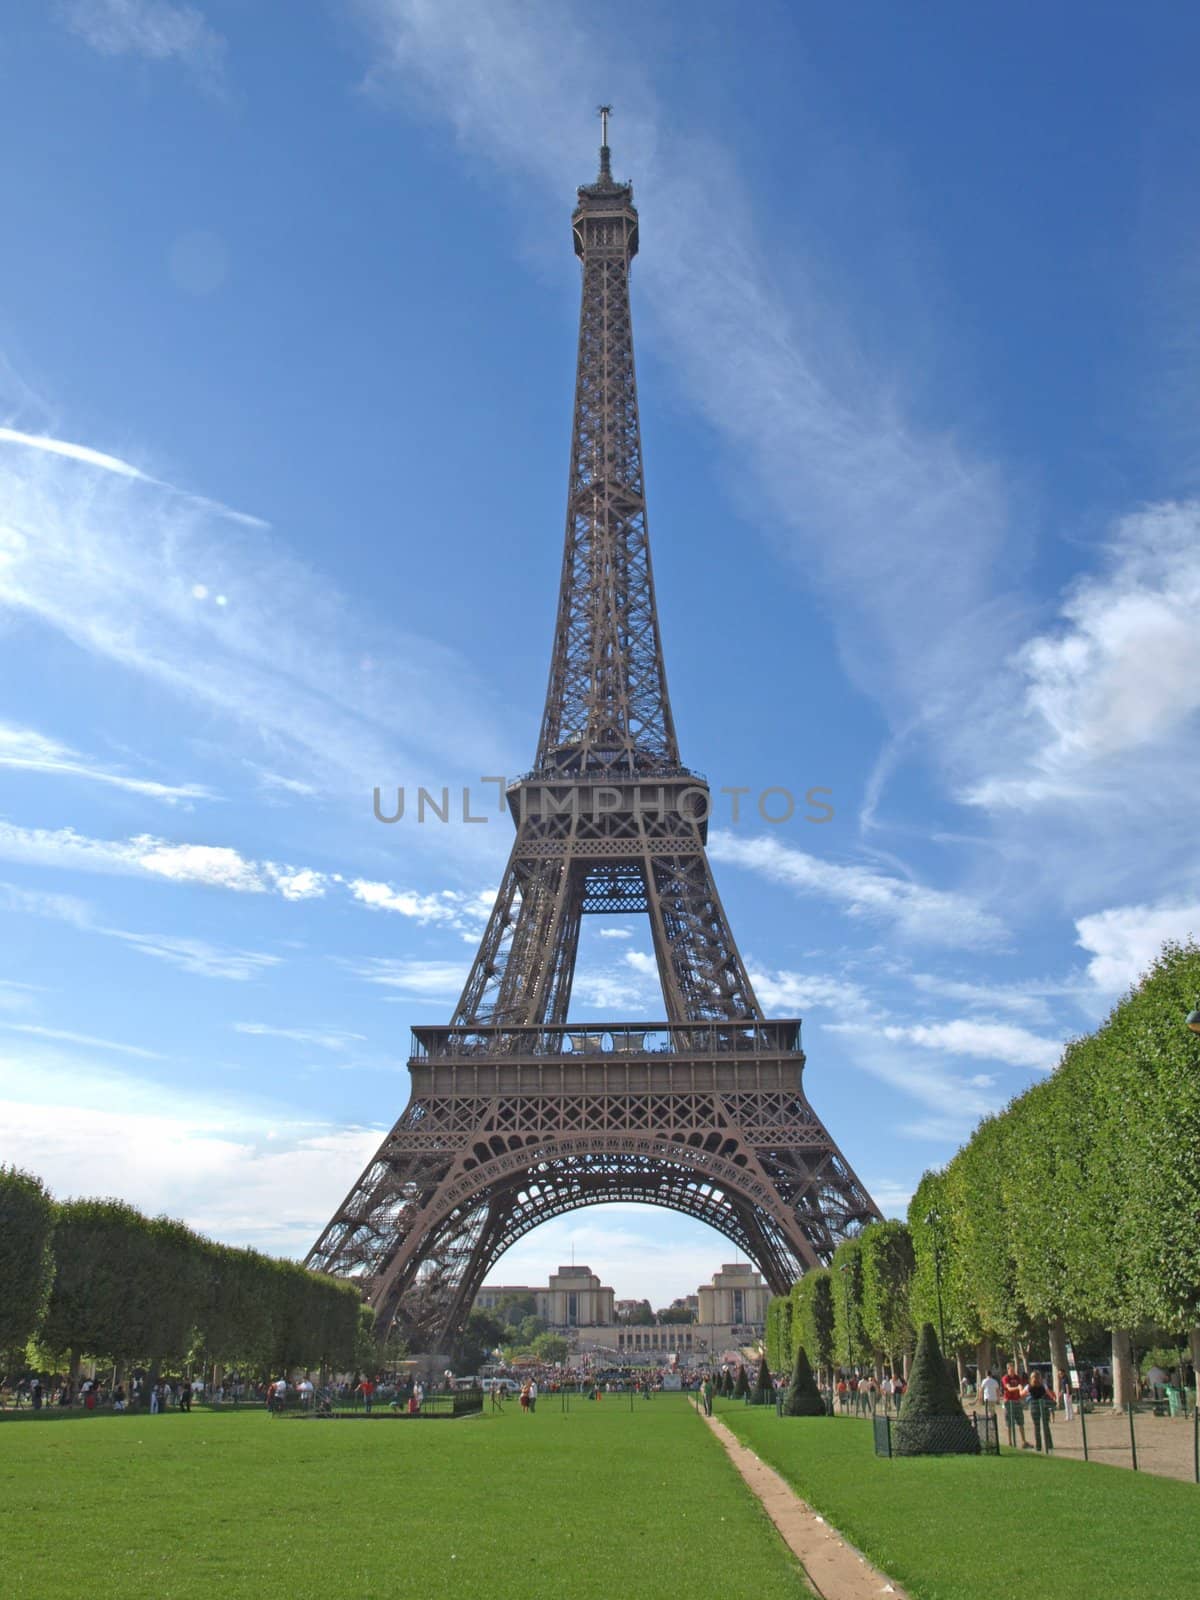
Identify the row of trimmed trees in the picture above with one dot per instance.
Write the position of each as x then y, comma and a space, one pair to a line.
97, 1280
1075, 1211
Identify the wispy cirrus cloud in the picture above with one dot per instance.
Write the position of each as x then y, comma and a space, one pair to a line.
914, 909
157, 30
323, 1038
205, 603
196, 956
848, 474
25, 750
64, 1036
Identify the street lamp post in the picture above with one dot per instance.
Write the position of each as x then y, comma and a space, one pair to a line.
934, 1223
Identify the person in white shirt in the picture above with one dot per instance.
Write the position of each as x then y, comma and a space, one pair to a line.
532, 1395
989, 1390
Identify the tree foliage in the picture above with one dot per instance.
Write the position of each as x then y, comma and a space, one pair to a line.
850, 1341
26, 1265
887, 1269
803, 1398
779, 1332
764, 1389
1077, 1204
126, 1287
932, 1420
813, 1322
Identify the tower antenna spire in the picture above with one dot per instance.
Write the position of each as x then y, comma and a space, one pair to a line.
604, 112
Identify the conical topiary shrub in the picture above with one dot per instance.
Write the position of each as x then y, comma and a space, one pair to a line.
932, 1421
742, 1387
803, 1398
726, 1383
764, 1389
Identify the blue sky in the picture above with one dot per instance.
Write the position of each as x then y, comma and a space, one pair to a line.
287, 326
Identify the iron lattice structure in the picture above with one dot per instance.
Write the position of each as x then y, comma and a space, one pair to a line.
517, 1116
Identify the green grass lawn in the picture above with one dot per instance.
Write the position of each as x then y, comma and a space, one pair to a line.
600, 1502
983, 1528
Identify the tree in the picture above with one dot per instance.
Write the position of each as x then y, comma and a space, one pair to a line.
529, 1330
514, 1305
742, 1387
26, 1264
551, 1348
887, 1269
102, 1293
803, 1398
850, 1342
932, 1420
813, 1322
727, 1383
479, 1338
764, 1389
640, 1315
676, 1314
779, 1332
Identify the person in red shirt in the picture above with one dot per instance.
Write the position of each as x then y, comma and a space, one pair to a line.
367, 1389
1015, 1390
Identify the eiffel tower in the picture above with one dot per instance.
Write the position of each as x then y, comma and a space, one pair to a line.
517, 1115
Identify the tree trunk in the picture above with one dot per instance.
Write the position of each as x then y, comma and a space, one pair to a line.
1194, 1344
73, 1371
961, 1366
1058, 1354
983, 1357
1124, 1392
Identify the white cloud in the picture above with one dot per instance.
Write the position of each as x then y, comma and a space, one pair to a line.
641, 962
197, 956
956, 1102
990, 1041
1027, 1000
616, 933
235, 1170
323, 1038
111, 557
1123, 941
217, 865
63, 1036
790, 993
25, 750
933, 916
159, 30
1119, 679
301, 884
422, 980
190, 955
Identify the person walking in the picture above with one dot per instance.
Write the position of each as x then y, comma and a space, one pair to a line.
367, 1389
1015, 1389
706, 1394
525, 1398
1041, 1404
533, 1394
989, 1391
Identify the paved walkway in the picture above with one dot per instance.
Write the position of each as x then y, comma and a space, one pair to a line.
834, 1569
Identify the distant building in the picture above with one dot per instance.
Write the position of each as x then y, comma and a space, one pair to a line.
730, 1315
574, 1298
737, 1295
